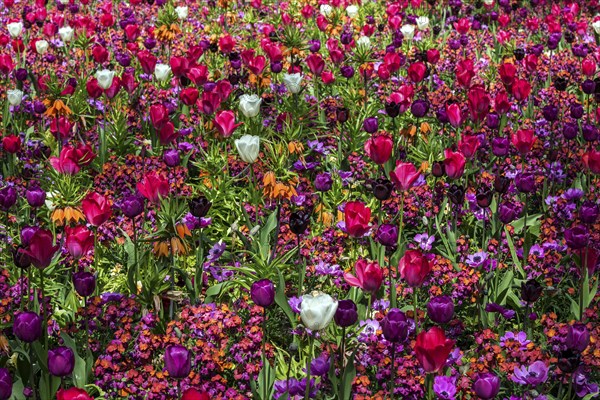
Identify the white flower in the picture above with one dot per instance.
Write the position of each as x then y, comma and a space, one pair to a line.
182, 12
14, 97
317, 310
422, 23
105, 78
292, 82
326, 10
250, 105
596, 26
352, 11
162, 71
49, 200
64, 2
408, 31
41, 46
488, 2
363, 41
66, 33
248, 147
15, 29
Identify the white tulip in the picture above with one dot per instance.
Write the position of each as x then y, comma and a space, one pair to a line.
105, 78
14, 97
596, 26
408, 31
363, 41
292, 82
15, 29
422, 23
326, 10
41, 46
162, 71
317, 310
66, 33
488, 2
250, 105
352, 11
182, 12
248, 147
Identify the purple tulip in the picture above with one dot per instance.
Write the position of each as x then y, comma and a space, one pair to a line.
132, 206
387, 235
486, 386
35, 197
319, 366
5, 384
84, 283
395, 326
61, 361
171, 158
570, 131
507, 212
371, 125
577, 237
8, 198
440, 309
178, 361
263, 293
346, 314
419, 108
588, 212
323, 182
578, 337
525, 182
28, 326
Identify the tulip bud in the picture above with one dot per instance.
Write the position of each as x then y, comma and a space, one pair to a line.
61, 361
531, 291
85, 283
27, 326
263, 293
299, 221
248, 147
317, 310
440, 309
578, 337
132, 206
178, 361
199, 206
346, 314
486, 386
395, 326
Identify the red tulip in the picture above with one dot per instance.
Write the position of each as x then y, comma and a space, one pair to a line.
591, 159
462, 26
369, 276
128, 82
225, 123
507, 73
468, 145
96, 208
80, 240
226, 44
62, 126
189, 96
193, 394
159, 115
223, 89
100, 54
210, 102
179, 66
523, 140
404, 175
11, 143
315, 64
357, 217
432, 349
588, 67
73, 394
256, 65
454, 115
416, 72
132, 32
153, 187
433, 56
501, 103
454, 164
414, 267
67, 162
392, 62
530, 62
93, 89
114, 88
379, 148
521, 89
479, 102
147, 60
198, 75
6, 64
465, 71
40, 249
84, 154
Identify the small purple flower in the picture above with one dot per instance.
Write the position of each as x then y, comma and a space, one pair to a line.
424, 241
294, 303
532, 375
477, 259
520, 338
444, 387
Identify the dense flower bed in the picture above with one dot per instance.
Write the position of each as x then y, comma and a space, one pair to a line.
299, 199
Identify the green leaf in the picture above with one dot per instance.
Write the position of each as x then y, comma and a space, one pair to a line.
348, 377
513, 253
213, 292
80, 370
282, 301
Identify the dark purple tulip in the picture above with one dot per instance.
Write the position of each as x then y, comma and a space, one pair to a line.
387, 235
531, 291
392, 109
347, 71
568, 361
501, 184
440, 309
35, 197
500, 146
85, 283
27, 233
20, 74
39, 107
263, 293
554, 40
576, 110
550, 112
5, 384
525, 182
486, 386
588, 86
346, 314
123, 59
437, 169
492, 120
456, 194
382, 188
199, 206
323, 182
577, 237
61, 361
27, 326
442, 116
132, 206
484, 197
299, 221
589, 132
464, 40
570, 131
371, 125
171, 158
419, 108
8, 198
588, 212
20, 259
314, 45
395, 326
276, 67
319, 366
342, 114
507, 213
454, 44
578, 337
150, 43
346, 38
178, 361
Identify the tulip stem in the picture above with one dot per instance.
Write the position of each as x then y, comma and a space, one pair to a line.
300, 267
263, 390
393, 371
135, 253
22, 290
525, 249
308, 360
32, 375
582, 279
87, 327
416, 311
